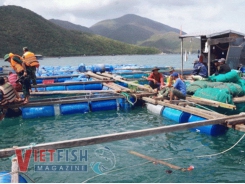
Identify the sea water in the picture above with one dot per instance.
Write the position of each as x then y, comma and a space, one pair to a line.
115, 163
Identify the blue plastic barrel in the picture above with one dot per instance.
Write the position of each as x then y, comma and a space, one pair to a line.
98, 86
82, 68
175, 115
55, 88
213, 130
109, 68
1, 69
74, 108
39, 89
98, 68
39, 81
122, 84
35, 112
103, 105
62, 79
6, 178
75, 87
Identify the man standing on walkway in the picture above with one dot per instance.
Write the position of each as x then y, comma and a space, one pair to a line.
31, 63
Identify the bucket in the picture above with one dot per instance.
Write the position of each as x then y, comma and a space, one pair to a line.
175, 115
213, 130
74, 108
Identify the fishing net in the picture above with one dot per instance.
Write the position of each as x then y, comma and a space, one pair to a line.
220, 95
195, 86
231, 76
233, 89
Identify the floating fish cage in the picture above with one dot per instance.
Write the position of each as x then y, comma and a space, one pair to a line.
85, 106
184, 117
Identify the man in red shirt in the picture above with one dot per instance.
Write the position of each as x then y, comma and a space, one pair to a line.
156, 79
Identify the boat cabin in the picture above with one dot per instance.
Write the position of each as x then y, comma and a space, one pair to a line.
227, 44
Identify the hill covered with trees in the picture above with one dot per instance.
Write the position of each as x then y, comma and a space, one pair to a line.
21, 27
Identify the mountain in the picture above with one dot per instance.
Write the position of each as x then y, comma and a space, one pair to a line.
170, 43
21, 27
131, 28
70, 26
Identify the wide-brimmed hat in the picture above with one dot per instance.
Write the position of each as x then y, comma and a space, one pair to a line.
6, 57
155, 68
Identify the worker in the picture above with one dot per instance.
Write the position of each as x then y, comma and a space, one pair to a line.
179, 88
164, 92
18, 65
200, 71
156, 79
12, 78
223, 67
31, 63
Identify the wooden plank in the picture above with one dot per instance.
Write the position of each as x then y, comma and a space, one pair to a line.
118, 136
239, 99
70, 83
57, 76
236, 121
15, 171
70, 92
128, 82
157, 161
212, 103
184, 109
91, 74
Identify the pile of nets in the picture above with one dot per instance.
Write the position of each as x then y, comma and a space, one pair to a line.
231, 76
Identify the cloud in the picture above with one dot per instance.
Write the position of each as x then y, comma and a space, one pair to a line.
192, 15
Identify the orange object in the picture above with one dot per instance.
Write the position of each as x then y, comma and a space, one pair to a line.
190, 168
50, 81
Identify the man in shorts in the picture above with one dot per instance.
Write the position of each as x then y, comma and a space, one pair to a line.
179, 88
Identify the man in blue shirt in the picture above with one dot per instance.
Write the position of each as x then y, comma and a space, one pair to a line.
200, 71
179, 88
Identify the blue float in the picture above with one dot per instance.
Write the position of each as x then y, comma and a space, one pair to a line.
213, 130
75, 87
103, 105
98, 68
5, 177
95, 86
175, 115
55, 88
74, 108
35, 112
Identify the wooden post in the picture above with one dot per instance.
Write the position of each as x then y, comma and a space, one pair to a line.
15, 171
157, 161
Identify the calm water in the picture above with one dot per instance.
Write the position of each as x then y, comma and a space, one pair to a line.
182, 146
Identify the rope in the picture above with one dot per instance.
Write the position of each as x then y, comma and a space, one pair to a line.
126, 95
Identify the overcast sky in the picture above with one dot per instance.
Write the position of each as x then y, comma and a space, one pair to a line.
194, 16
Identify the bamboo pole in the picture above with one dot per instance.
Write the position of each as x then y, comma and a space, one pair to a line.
119, 136
157, 161
192, 110
91, 74
15, 171
212, 103
70, 83
127, 82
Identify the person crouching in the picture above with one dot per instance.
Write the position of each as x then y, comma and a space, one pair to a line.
179, 88
156, 79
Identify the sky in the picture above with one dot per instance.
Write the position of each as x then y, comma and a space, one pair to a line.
192, 16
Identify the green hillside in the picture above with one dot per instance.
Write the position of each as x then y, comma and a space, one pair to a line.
70, 26
21, 27
170, 43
